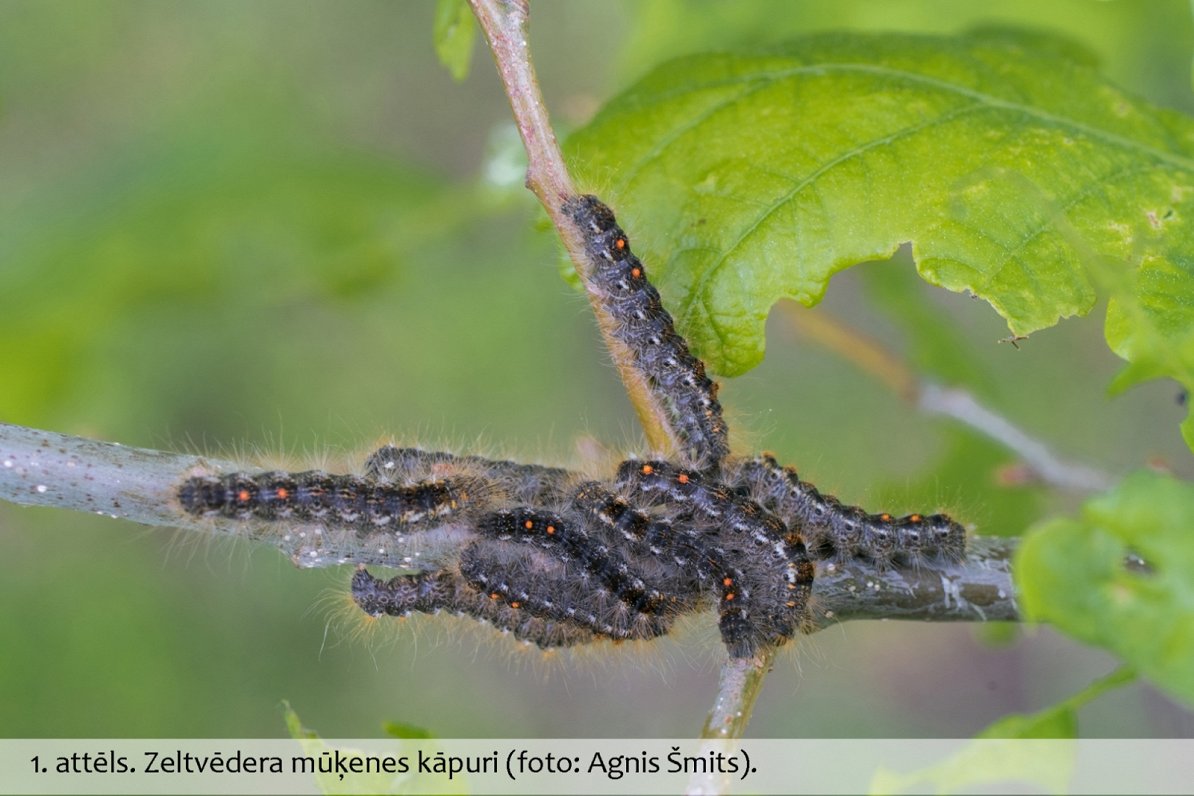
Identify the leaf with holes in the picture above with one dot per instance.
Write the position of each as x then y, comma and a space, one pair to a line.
1014, 170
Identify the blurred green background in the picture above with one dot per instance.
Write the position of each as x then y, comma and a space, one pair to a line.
239, 226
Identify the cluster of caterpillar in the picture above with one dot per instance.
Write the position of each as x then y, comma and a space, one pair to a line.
619, 560
676, 377
556, 560
768, 600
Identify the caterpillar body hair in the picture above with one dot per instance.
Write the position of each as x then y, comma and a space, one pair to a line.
833, 530
676, 377
771, 601
557, 593
446, 590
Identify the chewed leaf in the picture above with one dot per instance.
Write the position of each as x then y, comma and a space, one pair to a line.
1014, 170
1075, 574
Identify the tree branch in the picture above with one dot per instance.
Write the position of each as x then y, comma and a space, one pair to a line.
45, 468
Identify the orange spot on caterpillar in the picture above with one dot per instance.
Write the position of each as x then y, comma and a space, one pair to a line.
682, 478
516, 604
283, 493
729, 596
620, 244
637, 273
647, 469
551, 529
243, 496
916, 518
495, 596
529, 525
885, 517
727, 581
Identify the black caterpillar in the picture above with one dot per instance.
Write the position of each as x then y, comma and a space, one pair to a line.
314, 496
833, 530
676, 377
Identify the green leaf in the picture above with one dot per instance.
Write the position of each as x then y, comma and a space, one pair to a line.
396, 729
1073, 574
455, 30
986, 766
407, 782
1014, 170
1056, 721
986, 762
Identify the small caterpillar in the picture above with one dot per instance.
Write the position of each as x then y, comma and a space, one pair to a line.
677, 378
447, 590
316, 496
513, 481
834, 530
562, 594
606, 566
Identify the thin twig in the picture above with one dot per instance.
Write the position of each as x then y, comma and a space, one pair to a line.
1049, 467
738, 687
505, 24
872, 357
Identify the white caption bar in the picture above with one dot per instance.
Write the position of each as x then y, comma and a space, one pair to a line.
596, 766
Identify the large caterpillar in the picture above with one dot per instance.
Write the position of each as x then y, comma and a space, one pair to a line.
676, 377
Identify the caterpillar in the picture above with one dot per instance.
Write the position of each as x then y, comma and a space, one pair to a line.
833, 530
676, 377
447, 590
336, 500
604, 565
557, 592
513, 481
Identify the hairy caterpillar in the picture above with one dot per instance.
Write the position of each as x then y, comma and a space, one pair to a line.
336, 500
841, 532
446, 590
677, 378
